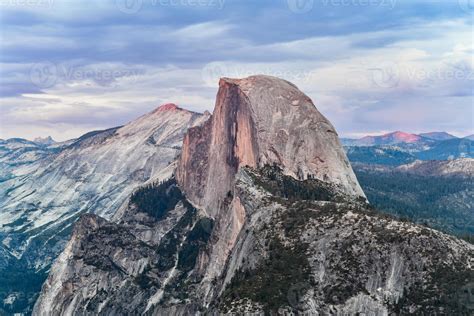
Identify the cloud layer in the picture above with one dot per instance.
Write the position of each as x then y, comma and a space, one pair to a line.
68, 67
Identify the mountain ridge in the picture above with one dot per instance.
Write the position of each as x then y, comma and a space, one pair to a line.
438, 135
400, 137
41, 198
391, 138
262, 232
257, 139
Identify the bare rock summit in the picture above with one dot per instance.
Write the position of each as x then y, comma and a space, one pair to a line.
257, 121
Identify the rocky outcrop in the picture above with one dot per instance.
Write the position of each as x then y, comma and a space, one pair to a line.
304, 247
299, 254
130, 265
264, 214
257, 121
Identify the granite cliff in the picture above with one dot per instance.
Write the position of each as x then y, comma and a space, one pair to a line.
262, 215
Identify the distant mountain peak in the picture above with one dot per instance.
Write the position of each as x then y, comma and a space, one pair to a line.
389, 139
168, 107
257, 121
438, 135
261, 199
405, 137
399, 137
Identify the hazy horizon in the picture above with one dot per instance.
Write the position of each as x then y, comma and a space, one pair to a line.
354, 135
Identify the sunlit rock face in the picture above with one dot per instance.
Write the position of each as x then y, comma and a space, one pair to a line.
257, 121
262, 215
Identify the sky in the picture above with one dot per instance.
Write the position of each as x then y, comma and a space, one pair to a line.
370, 66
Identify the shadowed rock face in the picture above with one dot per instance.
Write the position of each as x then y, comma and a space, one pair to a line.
257, 121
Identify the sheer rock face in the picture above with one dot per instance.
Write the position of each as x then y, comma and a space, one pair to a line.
277, 243
256, 121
